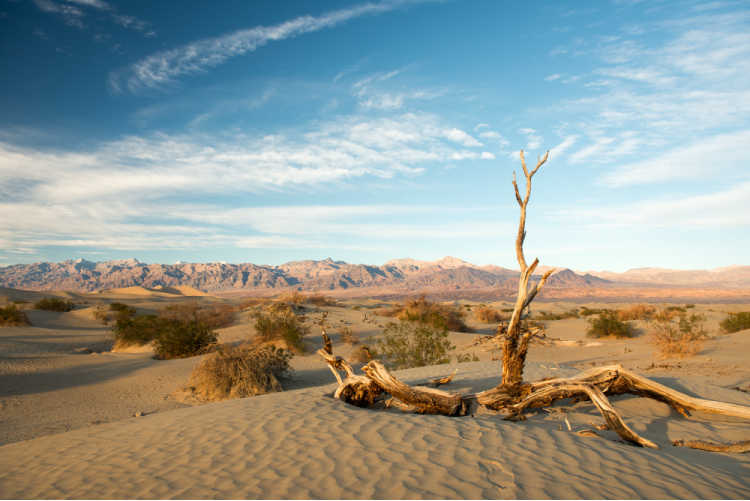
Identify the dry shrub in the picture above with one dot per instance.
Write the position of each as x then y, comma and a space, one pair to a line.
182, 339
545, 315
321, 300
414, 344
279, 323
462, 358
679, 335
214, 316
11, 316
435, 314
239, 371
489, 315
252, 302
636, 312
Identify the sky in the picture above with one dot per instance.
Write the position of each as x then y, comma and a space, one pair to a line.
268, 131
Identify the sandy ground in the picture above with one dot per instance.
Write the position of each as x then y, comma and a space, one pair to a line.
69, 427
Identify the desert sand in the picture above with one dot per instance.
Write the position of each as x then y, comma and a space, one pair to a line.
78, 421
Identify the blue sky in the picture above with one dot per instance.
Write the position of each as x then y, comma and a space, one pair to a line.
274, 131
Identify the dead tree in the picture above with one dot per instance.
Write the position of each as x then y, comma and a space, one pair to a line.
513, 397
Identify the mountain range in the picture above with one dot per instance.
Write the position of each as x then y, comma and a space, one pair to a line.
399, 276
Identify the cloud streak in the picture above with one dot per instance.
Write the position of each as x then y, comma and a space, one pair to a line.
167, 66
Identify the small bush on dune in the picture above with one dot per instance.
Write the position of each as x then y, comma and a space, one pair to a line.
426, 312
321, 300
53, 304
413, 344
736, 322
587, 312
280, 323
240, 371
181, 339
680, 336
135, 331
214, 316
488, 315
294, 297
607, 324
545, 315
636, 312
11, 316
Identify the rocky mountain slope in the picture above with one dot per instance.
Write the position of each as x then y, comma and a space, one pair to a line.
328, 275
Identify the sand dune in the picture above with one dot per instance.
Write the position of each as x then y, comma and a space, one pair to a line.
303, 444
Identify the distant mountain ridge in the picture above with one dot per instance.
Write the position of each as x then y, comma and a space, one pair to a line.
404, 275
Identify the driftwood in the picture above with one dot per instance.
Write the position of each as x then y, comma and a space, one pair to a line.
513, 396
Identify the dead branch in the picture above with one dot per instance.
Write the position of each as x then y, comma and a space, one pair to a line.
712, 447
443, 380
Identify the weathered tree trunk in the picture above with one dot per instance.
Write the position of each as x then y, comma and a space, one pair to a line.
516, 340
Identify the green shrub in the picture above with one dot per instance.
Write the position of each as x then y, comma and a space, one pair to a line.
736, 322
11, 316
132, 331
607, 324
545, 315
181, 339
681, 336
281, 324
240, 371
53, 304
413, 344
587, 312
462, 358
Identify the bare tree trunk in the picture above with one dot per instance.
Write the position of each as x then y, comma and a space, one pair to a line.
516, 342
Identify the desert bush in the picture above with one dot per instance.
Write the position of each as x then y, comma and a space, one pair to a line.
11, 316
240, 371
348, 336
679, 309
214, 316
636, 312
280, 323
488, 315
587, 312
466, 357
361, 355
413, 344
607, 324
292, 297
546, 315
680, 336
181, 339
132, 331
426, 312
321, 300
53, 304
736, 322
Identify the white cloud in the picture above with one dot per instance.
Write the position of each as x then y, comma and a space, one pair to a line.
597, 148
553, 77
166, 66
460, 137
561, 148
533, 139
725, 154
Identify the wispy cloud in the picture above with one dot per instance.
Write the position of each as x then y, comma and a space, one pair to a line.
717, 155
166, 66
73, 15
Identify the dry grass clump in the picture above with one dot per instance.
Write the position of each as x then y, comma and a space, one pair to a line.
11, 316
214, 316
608, 324
53, 304
435, 314
678, 335
240, 371
736, 322
546, 315
488, 315
279, 323
636, 312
